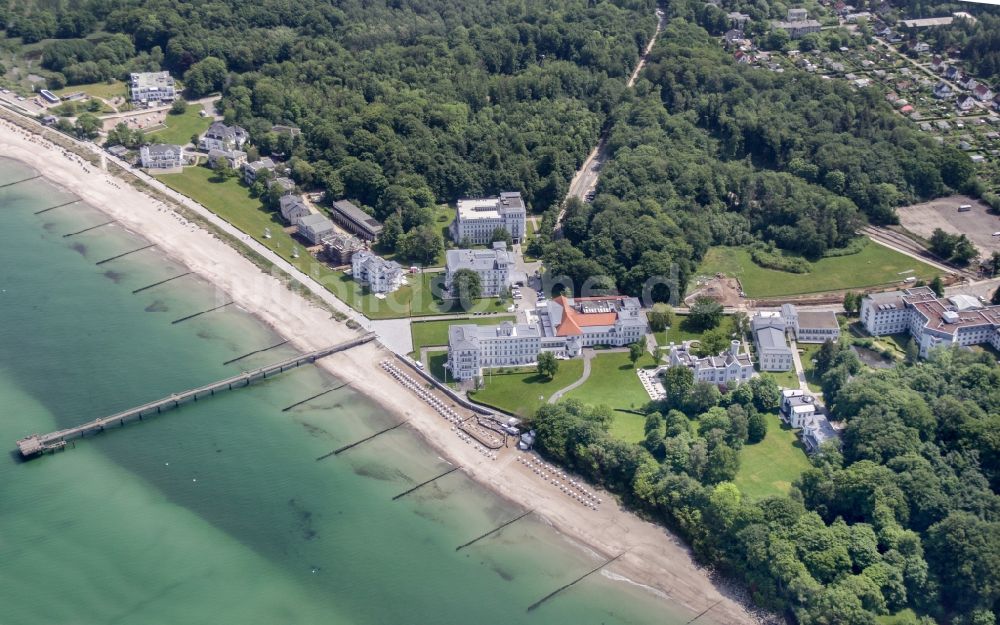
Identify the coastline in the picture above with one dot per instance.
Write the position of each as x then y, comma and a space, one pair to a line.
654, 558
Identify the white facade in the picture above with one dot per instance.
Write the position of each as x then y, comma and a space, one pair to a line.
161, 156
151, 88
931, 321
222, 137
293, 209
773, 352
731, 368
472, 348
810, 326
492, 266
380, 275
314, 227
253, 170
476, 219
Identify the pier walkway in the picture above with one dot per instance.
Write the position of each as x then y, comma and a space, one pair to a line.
37, 444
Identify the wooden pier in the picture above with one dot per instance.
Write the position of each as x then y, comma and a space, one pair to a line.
37, 444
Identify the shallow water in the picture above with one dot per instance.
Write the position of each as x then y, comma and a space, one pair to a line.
219, 511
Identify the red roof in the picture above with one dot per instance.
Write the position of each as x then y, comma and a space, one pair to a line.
573, 321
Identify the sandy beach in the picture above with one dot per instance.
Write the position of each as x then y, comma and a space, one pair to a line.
653, 556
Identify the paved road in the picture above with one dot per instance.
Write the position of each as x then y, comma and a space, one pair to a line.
800, 371
588, 355
585, 179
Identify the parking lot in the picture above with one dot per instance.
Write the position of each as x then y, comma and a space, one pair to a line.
977, 224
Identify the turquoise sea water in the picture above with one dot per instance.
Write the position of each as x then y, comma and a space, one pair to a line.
219, 512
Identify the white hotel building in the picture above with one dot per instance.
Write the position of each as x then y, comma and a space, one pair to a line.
492, 266
565, 326
476, 219
930, 320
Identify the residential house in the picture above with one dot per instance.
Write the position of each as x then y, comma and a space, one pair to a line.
161, 156
937, 63
983, 93
293, 208
222, 137
743, 58
734, 38
477, 219
738, 20
378, 274
287, 185
234, 158
952, 72
261, 167
816, 431
773, 352
730, 368
796, 407
493, 267
340, 247
965, 103
151, 88
921, 47
356, 221
968, 82
314, 227
797, 23
942, 91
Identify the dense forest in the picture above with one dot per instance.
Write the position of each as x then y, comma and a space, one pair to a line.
402, 104
708, 152
905, 515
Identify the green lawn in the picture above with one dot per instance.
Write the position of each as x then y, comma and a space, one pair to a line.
628, 427
614, 382
180, 128
436, 360
770, 466
904, 617
518, 393
682, 331
784, 379
103, 90
873, 265
809, 351
230, 199
426, 333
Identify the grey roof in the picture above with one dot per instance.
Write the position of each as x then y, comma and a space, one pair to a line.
348, 210
314, 221
264, 163
288, 201
219, 130
816, 319
161, 149
477, 260
467, 336
769, 333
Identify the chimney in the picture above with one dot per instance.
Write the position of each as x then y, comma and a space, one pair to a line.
734, 347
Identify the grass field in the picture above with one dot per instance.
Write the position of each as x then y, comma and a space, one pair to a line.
613, 382
770, 466
231, 200
426, 333
784, 379
681, 331
181, 127
873, 265
518, 393
103, 90
628, 427
808, 353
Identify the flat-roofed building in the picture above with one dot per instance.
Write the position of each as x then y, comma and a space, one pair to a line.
493, 267
472, 348
151, 88
811, 326
355, 220
477, 219
378, 274
773, 352
340, 248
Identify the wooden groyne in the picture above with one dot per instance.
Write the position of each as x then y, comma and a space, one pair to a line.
73, 234
256, 351
492, 531
339, 450
11, 184
37, 444
317, 395
45, 210
108, 260
198, 314
575, 581
149, 286
425, 483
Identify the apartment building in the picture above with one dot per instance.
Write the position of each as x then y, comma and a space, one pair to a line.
472, 348
151, 88
378, 274
477, 219
493, 267
773, 351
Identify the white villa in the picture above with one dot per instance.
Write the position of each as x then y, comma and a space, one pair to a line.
565, 326
161, 156
493, 267
293, 208
151, 88
930, 320
730, 368
799, 411
773, 352
222, 137
380, 275
476, 219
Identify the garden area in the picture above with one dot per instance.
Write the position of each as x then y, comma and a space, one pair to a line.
180, 128
613, 382
523, 391
770, 466
230, 199
682, 330
873, 265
